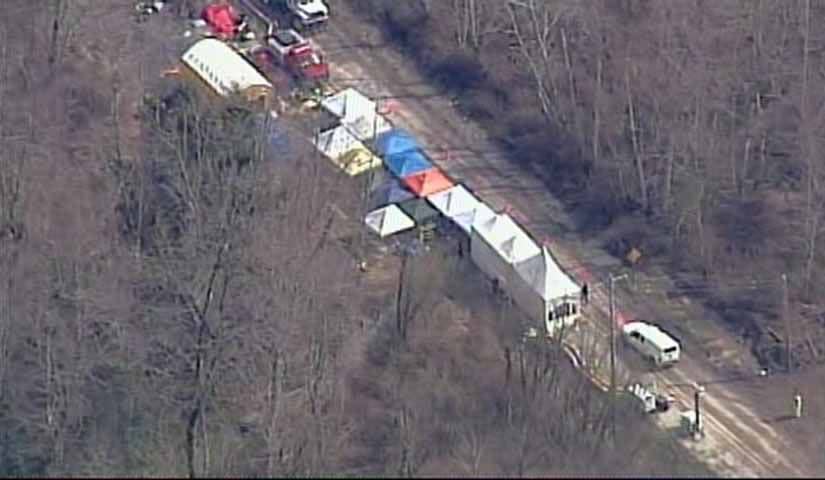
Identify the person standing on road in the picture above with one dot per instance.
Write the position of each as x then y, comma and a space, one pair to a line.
585, 294
797, 404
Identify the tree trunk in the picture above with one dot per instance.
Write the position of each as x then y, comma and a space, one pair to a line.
812, 214
637, 154
597, 121
571, 80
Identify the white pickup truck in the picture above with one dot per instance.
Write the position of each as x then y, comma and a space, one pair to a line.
301, 15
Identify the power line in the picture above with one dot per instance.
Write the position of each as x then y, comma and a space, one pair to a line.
651, 285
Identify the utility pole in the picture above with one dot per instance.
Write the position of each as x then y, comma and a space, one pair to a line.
400, 313
612, 314
612, 362
700, 388
786, 321
697, 393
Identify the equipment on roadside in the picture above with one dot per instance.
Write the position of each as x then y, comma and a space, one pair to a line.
225, 23
797, 405
692, 425
146, 9
650, 401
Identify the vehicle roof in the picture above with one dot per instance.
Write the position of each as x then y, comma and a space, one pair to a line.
222, 67
288, 37
651, 333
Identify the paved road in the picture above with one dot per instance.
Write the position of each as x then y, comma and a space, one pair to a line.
738, 442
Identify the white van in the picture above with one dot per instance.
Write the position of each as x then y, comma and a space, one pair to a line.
654, 344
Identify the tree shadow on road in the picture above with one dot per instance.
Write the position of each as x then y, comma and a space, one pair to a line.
778, 419
368, 46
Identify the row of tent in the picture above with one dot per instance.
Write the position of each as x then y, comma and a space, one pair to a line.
417, 192
352, 119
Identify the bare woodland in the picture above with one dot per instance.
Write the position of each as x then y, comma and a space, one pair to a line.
694, 122
175, 300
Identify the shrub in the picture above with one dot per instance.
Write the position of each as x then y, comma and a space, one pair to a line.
458, 72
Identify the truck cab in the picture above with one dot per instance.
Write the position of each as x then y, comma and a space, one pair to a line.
298, 56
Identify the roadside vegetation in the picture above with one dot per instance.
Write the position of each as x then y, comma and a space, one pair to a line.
178, 299
686, 130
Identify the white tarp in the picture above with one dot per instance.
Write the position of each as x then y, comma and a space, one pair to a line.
388, 220
337, 142
358, 113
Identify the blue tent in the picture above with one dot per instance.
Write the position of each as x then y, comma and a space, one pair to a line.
389, 192
408, 163
395, 141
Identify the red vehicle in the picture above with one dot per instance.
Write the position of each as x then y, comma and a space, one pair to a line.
298, 56
223, 21
265, 61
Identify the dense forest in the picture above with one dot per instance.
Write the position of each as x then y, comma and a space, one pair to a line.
177, 298
690, 126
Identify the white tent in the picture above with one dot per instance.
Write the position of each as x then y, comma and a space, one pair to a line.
476, 217
337, 142
346, 151
369, 126
357, 112
545, 292
388, 220
456, 199
497, 244
349, 105
507, 239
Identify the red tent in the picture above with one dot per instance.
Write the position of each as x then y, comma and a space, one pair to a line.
222, 20
428, 182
